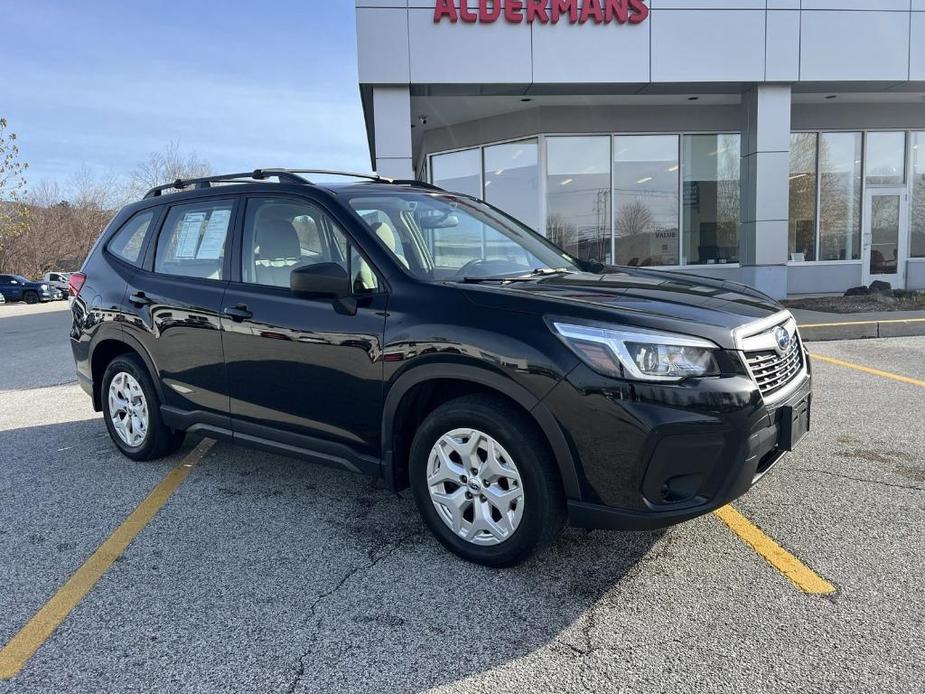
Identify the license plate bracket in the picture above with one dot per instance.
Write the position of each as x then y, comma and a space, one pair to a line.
794, 424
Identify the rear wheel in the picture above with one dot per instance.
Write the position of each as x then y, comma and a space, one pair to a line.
132, 411
30, 297
485, 482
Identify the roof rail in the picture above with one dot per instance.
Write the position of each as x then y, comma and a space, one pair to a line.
281, 175
415, 182
333, 172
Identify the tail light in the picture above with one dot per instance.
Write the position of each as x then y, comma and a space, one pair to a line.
75, 283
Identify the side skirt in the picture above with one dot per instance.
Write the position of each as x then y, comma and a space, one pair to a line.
307, 448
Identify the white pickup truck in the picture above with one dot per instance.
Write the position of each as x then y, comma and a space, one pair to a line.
58, 280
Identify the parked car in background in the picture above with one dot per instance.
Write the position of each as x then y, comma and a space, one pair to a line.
424, 337
58, 280
18, 288
2, 299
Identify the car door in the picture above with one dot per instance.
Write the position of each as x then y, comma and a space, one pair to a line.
11, 288
303, 372
172, 307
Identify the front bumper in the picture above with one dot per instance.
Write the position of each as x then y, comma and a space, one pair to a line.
650, 456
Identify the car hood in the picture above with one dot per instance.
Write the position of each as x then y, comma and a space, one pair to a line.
658, 299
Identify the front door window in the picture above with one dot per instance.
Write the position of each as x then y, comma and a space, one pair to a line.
884, 228
885, 237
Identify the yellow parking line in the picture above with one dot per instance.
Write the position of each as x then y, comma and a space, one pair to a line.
799, 574
861, 322
16, 653
868, 370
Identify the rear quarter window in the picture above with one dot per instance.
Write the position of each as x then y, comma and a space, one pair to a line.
130, 239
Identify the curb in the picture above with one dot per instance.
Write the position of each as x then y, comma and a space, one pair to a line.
859, 330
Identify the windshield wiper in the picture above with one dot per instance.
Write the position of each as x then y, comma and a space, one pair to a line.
532, 275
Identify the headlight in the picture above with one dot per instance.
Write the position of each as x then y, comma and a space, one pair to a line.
640, 354
44, 287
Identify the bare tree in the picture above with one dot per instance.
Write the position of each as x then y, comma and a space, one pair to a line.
61, 225
633, 218
54, 228
166, 166
560, 231
12, 188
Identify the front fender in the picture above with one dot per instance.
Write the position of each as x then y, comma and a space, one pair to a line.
493, 380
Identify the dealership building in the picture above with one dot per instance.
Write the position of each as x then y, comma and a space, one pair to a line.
779, 143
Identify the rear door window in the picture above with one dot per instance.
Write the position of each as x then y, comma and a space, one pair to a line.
130, 239
193, 239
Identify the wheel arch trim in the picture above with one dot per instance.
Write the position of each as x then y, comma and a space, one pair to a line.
565, 461
135, 346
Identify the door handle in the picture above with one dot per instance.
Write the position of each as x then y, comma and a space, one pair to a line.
237, 313
139, 299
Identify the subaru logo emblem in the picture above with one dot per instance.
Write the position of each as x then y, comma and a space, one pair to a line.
783, 338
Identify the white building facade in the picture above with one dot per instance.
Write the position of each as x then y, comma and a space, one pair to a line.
776, 142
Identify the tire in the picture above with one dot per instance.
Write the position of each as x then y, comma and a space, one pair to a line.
531, 521
154, 440
30, 297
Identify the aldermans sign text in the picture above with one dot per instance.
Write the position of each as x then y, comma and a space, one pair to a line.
541, 11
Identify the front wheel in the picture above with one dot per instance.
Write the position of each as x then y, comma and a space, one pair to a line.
484, 481
132, 411
30, 297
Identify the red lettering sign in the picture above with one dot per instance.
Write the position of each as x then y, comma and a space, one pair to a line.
541, 11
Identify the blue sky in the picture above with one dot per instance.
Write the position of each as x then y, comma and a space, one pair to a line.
101, 83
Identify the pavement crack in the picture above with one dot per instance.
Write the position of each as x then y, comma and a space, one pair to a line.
374, 558
586, 644
859, 479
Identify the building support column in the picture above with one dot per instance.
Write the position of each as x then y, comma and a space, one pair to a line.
392, 131
765, 199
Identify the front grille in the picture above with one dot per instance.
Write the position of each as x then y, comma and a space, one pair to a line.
773, 370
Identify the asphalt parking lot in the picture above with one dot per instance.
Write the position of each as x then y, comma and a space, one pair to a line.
264, 574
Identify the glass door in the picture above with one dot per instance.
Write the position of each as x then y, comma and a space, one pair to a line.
885, 236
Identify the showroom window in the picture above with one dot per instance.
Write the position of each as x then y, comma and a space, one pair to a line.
917, 218
802, 196
505, 175
645, 199
578, 196
840, 196
459, 172
512, 180
886, 158
825, 196
711, 199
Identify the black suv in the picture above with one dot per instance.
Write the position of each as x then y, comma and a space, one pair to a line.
424, 337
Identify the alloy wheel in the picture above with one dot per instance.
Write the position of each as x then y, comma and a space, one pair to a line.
128, 409
475, 487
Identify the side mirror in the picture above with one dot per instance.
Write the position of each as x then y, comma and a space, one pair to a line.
321, 280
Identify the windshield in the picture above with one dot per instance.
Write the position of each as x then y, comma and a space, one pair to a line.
438, 236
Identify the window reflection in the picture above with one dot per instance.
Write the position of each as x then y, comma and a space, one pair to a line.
459, 172
840, 196
578, 196
802, 196
645, 184
886, 158
711, 198
917, 237
884, 228
512, 180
